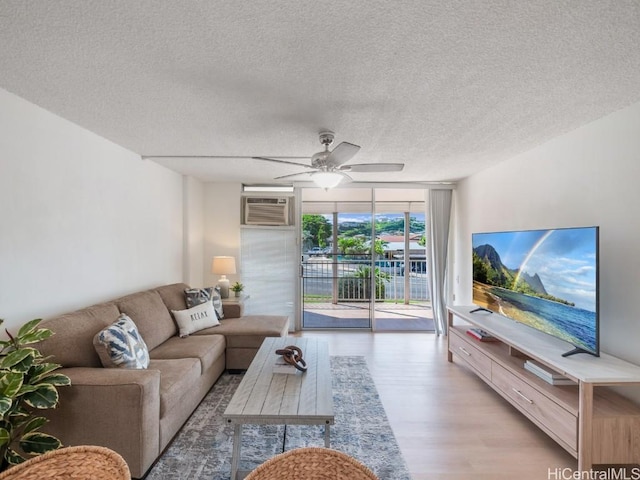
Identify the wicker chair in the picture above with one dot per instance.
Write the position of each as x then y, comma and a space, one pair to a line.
312, 463
86, 462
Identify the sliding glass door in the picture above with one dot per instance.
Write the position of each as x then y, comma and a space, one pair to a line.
404, 301
353, 272
335, 270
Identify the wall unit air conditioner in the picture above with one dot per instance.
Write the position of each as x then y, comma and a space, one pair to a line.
266, 211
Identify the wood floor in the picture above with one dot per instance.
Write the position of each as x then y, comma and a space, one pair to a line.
448, 423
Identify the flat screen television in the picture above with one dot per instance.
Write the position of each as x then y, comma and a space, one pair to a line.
546, 279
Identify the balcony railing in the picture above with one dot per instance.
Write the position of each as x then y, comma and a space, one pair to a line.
344, 278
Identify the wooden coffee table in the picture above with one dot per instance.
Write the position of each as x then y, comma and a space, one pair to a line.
266, 398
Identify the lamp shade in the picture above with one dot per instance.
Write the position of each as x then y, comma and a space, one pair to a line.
223, 265
327, 180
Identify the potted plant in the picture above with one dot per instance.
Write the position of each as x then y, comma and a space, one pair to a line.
237, 288
28, 383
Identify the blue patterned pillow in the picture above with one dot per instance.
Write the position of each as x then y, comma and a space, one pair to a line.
120, 345
216, 299
198, 296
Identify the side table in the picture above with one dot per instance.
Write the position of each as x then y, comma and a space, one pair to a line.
235, 305
232, 300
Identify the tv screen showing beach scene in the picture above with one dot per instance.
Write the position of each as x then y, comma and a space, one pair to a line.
546, 279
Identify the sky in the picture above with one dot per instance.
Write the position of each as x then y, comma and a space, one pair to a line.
365, 217
565, 259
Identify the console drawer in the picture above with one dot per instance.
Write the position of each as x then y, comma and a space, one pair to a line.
534, 403
470, 354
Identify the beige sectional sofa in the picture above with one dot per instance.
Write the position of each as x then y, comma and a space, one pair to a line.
138, 412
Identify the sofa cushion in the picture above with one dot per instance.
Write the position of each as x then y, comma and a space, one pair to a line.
208, 349
120, 345
196, 318
71, 345
173, 296
250, 330
177, 379
151, 316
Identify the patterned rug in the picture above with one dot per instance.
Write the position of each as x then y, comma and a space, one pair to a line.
202, 449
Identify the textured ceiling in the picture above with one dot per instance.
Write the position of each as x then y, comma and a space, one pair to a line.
447, 87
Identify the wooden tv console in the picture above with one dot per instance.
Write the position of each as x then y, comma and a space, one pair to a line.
596, 425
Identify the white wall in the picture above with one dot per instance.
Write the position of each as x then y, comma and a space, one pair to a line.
82, 220
590, 176
221, 227
194, 264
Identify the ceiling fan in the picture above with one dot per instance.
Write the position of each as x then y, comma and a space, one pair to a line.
329, 167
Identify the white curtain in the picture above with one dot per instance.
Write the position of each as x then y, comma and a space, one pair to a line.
438, 219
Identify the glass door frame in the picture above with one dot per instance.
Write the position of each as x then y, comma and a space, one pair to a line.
322, 273
408, 282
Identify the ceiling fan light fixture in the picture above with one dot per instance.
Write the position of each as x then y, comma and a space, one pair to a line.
327, 180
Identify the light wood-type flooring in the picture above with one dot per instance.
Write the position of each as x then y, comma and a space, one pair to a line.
448, 423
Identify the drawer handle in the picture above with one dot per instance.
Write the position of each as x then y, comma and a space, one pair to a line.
464, 351
528, 400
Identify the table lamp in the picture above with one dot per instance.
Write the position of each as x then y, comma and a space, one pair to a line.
223, 266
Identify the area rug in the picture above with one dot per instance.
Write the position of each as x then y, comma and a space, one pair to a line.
202, 449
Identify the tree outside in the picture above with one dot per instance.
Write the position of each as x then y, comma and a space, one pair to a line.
358, 246
316, 230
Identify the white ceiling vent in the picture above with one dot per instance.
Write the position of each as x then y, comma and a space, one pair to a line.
266, 211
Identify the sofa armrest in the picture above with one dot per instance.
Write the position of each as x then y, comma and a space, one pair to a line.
111, 407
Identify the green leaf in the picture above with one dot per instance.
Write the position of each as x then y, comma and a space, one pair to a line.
37, 443
10, 383
35, 337
5, 405
20, 410
26, 389
29, 327
5, 436
23, 366
17, 417
34, 424
13, 457
15, 357
46, 396
58, 380
40, 371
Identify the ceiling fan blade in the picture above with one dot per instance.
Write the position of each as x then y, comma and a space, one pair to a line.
291, 175
282, 161
146, 157
341, 154
372, 167
349, 179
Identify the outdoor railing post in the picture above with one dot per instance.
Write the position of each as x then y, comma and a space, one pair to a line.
334, 279
394, 269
